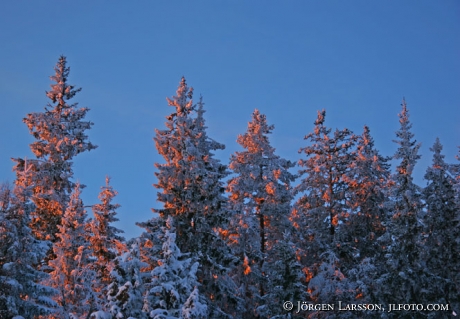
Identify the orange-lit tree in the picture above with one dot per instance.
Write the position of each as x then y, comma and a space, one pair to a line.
361, 248
60, 135
321, 209
260, 196
72, 275
105, 239
21, 293
191, 190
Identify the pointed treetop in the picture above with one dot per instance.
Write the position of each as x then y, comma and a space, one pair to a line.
255, 139
321, 117
61, 91
438, 158
408, 147
180, 100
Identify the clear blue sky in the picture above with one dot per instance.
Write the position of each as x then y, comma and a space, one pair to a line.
356, 59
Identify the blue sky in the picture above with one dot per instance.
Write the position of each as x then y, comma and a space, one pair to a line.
356, 59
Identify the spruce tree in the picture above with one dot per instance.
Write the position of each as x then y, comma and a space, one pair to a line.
368, 181
322, 210
60, 135
192, 193
441, 233
402, 281
260, 196
172, 290
72, 275
21, 293
125, 293
104, 238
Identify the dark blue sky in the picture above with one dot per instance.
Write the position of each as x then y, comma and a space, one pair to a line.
356, 59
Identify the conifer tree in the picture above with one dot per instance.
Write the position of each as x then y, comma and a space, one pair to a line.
368, 181
442, 233
192, 193
106, 243
71, 273
322, 207
60, 135
125, 293
361, 248
172, 291
284, 280
261, 196
402, 282
21, 293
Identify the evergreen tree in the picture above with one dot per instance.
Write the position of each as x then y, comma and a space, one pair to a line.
60, 135
21, 294
71, 271
125, 292
322, 210
260, 196
106, 243
284, 280
442, 233
192, 193
172, 290
368, 181
402, 282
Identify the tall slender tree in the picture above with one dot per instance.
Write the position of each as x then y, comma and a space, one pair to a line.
60, 135
192, 193
368, 182
105, 238
441, 233
402, 282
72, 275
261, 196
322, 210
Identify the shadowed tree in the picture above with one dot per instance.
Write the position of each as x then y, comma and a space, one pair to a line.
442, 233
402, 281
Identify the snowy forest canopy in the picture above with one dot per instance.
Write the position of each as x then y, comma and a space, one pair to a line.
234, 240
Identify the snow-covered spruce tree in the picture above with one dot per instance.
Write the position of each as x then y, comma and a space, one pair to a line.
72, 275
260, 198
322, 209
192, 193
125, 293
60, 135
442, 233
106, 243
402, 282
21, 294
368, 180
284, 280
172, 290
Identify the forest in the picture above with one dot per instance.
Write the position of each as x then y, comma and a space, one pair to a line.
338, 234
